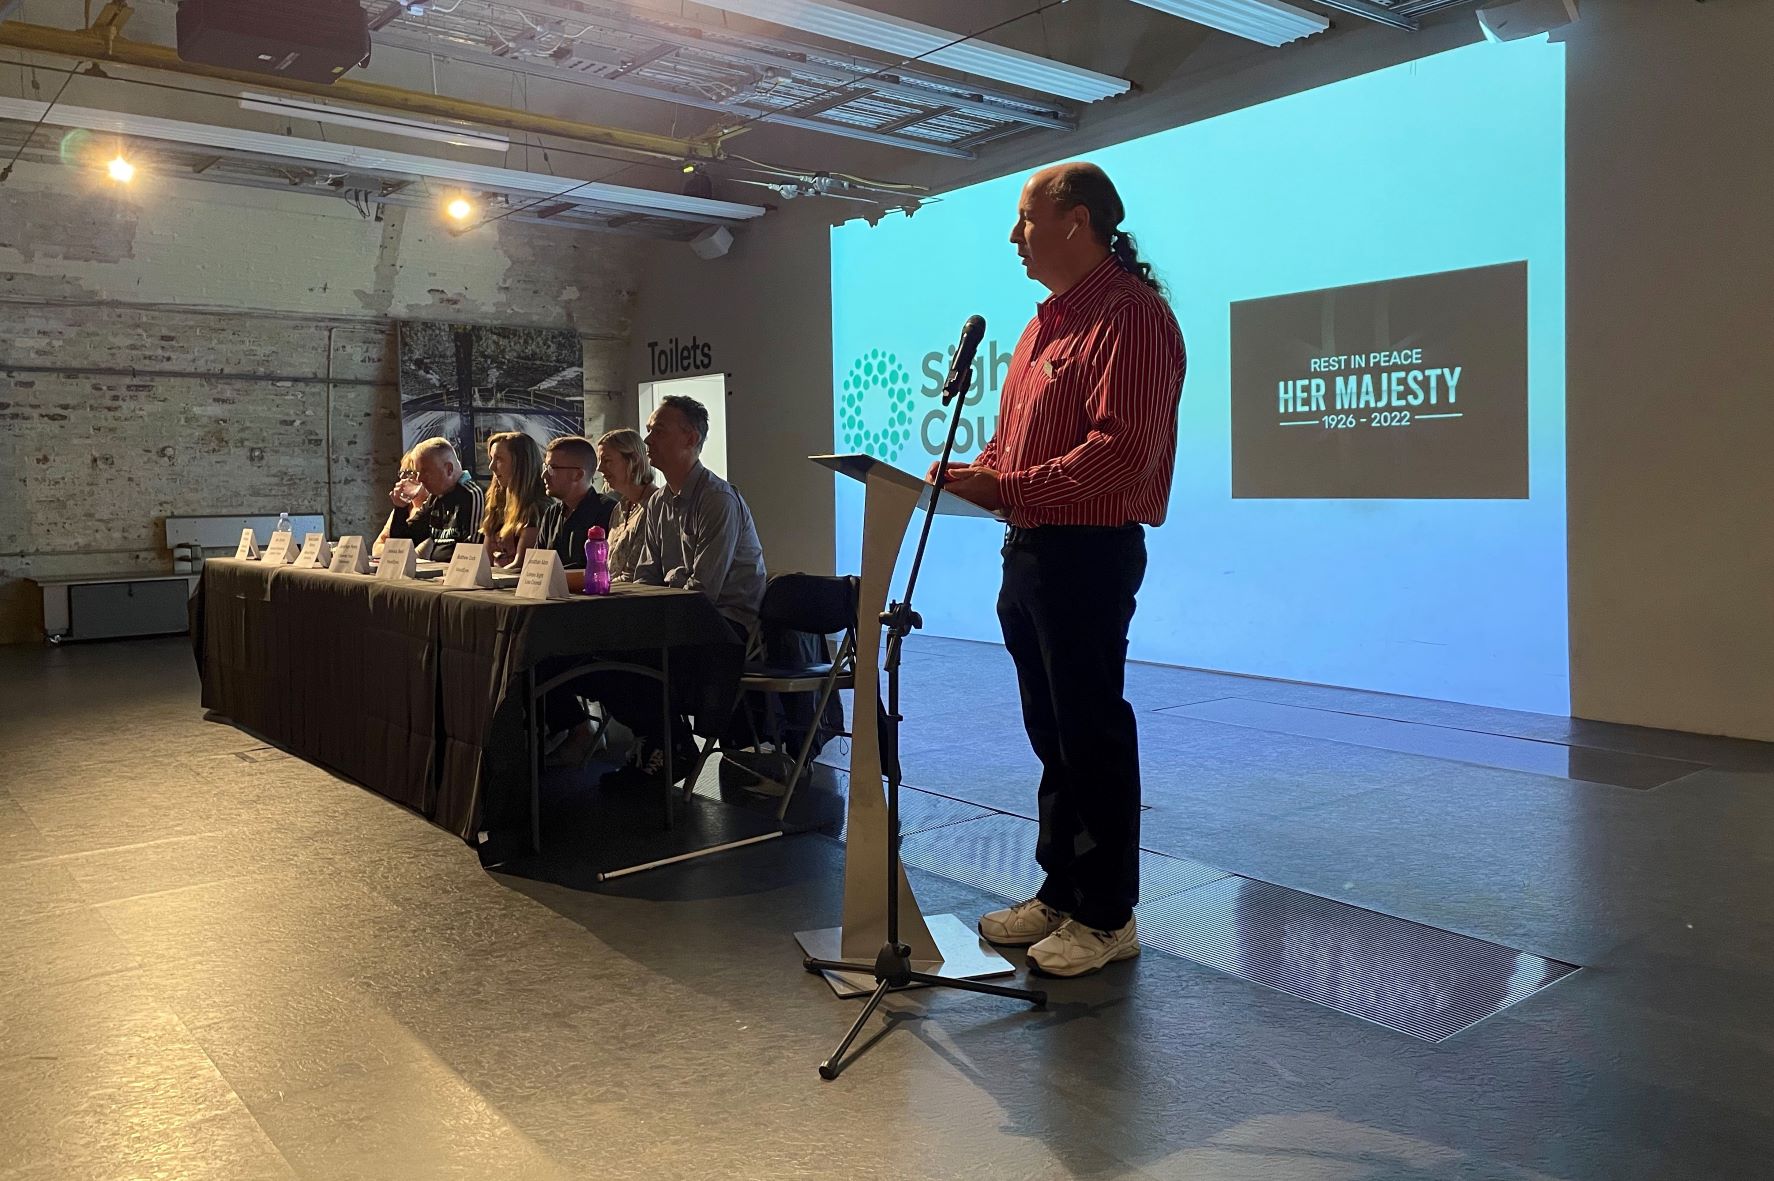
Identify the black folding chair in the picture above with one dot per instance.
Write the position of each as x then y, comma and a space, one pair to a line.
796, 606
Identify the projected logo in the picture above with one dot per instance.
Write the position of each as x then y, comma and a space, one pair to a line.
875, 405
878, 412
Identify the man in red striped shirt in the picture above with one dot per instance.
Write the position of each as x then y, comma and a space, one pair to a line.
1082, 460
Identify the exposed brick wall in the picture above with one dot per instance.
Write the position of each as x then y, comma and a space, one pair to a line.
180, 277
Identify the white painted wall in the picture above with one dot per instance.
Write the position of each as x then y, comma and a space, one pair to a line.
711, 390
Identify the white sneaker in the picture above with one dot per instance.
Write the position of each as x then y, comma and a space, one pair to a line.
1077, 950
1022, 924
573, 751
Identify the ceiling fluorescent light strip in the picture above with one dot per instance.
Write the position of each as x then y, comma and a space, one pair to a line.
375, 121
1269, 22
1246, 18
909, 39
346, 157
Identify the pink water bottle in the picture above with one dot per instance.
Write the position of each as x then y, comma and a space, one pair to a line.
597, 562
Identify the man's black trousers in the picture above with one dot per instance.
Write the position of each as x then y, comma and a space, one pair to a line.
1065, 606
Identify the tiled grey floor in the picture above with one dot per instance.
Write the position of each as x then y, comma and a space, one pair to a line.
1560, 760
1418, 980
995, 854
215, 967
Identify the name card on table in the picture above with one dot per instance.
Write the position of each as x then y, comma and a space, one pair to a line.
397, 559
348, 556
542, 576
282, 550
316, 553
248, 549
468, 568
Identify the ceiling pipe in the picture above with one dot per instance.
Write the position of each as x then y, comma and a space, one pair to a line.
1378, 13
782, 116
102, 42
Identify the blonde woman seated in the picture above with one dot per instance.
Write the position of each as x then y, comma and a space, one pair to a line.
622, 462
408, 496
515, 498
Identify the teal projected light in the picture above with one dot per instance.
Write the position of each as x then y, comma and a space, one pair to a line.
1370, 480
874, 413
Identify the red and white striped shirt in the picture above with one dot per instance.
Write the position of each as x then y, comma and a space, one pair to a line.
1087, 422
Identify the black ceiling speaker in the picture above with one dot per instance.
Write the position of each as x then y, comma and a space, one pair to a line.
313, 41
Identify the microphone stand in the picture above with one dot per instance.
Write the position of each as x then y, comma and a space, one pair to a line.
892, 968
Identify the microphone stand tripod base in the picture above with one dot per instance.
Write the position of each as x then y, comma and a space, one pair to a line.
963, 956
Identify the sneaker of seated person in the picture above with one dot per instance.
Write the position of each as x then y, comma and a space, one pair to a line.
1022, 924
1077, 950
576, 751
646, 765
758, 772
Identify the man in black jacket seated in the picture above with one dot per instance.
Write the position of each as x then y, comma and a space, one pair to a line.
576, 507
452, 508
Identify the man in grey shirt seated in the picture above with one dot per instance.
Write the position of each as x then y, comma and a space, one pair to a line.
698, 535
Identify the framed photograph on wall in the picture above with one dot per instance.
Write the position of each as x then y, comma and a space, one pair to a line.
468, 381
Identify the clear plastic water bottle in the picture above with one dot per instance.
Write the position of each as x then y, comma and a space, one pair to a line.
597, 562
283, 524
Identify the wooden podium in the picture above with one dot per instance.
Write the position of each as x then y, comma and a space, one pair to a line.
939, 943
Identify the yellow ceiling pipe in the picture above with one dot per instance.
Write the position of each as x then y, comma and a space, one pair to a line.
101, 42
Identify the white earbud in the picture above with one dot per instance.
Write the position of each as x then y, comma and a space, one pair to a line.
1071, 231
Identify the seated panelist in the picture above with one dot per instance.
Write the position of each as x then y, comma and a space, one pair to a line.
575, 507
515, 498
406, 495
696, 533
622, 461
451, 508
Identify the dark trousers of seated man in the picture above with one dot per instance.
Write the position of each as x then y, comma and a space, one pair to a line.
1065, 606
633, 699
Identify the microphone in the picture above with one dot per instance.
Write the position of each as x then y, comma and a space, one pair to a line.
961, 368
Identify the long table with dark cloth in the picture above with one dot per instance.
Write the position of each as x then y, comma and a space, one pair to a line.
419, 693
